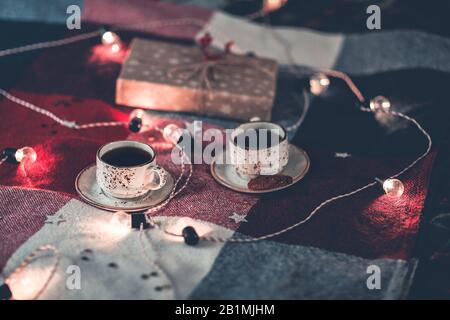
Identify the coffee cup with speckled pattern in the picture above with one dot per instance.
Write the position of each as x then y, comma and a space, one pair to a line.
127, 169
258, 148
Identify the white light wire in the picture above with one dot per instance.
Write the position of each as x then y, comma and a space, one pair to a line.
332, 73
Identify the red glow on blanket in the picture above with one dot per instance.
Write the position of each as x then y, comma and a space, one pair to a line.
112, 41
61, 152
35, 174
395, 218
101, 54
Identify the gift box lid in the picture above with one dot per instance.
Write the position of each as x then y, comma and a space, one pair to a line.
181, 65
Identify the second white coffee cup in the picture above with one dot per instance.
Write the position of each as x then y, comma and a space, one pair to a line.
263, 158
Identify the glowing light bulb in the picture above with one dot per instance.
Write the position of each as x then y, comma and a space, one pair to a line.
108, 38
112, 40
255, 119
26, 155
318, 83
172, 133
115, 48
380, 103
273, 5
393, 187
121, 218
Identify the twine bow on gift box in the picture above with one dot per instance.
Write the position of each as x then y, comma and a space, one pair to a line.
213, 63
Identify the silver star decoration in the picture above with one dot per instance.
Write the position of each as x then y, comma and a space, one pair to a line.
342, 155
56, 219
238, 217
69, 124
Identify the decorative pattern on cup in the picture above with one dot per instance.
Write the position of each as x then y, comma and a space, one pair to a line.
253, 162
128, 182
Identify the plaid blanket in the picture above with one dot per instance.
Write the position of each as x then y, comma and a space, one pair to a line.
326, 258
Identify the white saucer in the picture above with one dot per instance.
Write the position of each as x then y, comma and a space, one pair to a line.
88, 189
297, 167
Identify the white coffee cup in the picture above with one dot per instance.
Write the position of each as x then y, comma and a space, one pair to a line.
128, 182
262, 159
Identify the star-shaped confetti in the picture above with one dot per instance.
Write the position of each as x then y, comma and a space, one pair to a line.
237, 217
342, 155
55, 219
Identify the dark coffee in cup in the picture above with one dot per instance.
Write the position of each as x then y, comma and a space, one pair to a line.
256, 139
127, 157
127, 169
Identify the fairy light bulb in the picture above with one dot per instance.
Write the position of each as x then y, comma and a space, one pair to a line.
136, 120
273, 5
115, 48
172, 133
26, 155
380, 103
318, 83
112, 40
255, 119
121, 218
393, 188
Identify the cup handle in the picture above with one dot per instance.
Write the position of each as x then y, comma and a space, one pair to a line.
156, 178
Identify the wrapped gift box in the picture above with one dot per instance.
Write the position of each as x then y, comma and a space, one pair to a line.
163, 76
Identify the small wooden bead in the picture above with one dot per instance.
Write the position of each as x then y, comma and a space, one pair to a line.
5, 292
190, 236
135, 124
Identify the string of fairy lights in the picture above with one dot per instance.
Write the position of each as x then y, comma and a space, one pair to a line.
318, 84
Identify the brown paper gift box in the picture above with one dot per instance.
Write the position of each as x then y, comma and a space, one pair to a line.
163, 76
